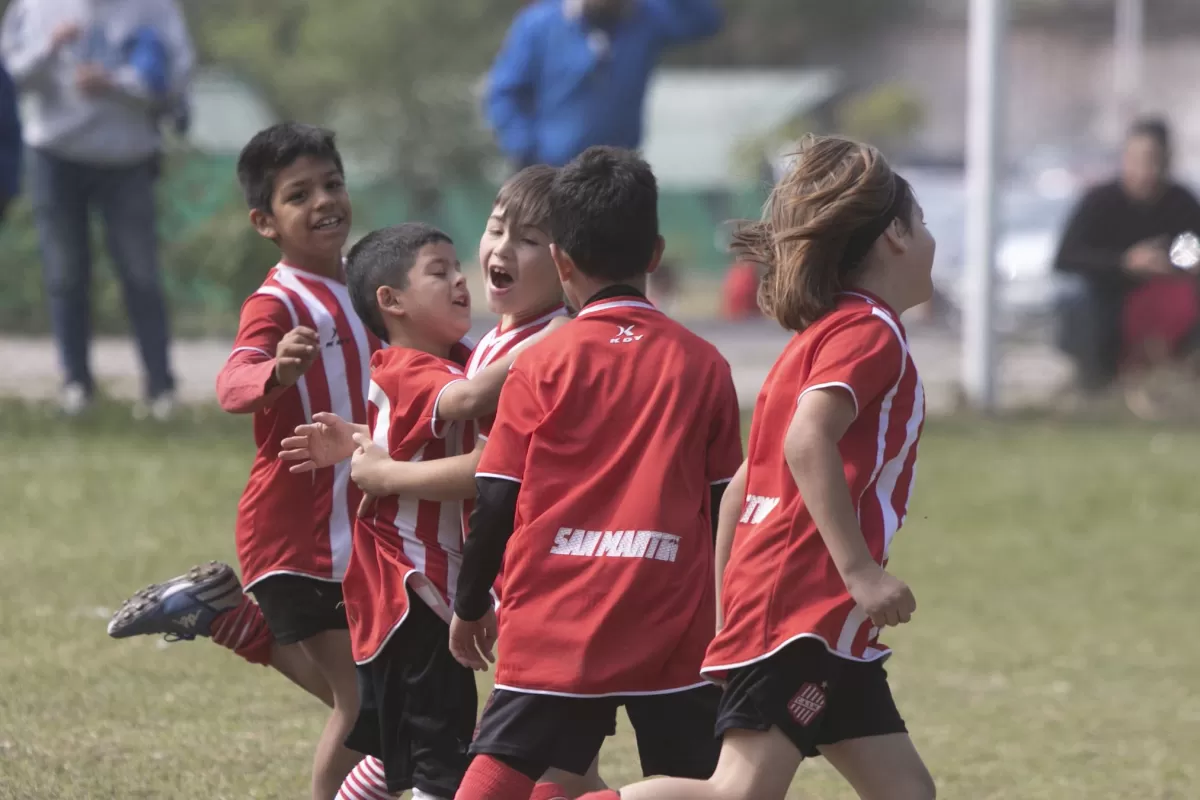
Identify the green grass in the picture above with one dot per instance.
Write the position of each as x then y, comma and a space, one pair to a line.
1054, 654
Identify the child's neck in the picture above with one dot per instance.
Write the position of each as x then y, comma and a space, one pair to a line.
877, 283
585, 288
325, 266
510, 321
400, 335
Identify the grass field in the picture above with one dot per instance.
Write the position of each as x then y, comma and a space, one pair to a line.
1054, 654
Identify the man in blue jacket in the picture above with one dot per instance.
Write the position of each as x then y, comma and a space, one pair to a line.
573, 73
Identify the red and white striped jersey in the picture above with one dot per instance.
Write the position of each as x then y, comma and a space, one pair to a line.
497, 343
296, 524
406, 544
781, 584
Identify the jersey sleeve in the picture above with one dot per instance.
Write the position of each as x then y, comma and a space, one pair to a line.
242, 384
725, 433
413, 390
517, 417
863, 356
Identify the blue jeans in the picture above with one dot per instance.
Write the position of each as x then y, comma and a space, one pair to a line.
64, 193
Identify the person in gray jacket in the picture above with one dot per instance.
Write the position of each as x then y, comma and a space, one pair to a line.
98, 76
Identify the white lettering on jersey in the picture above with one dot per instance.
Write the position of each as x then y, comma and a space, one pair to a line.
616, 544
757, 508
625, 335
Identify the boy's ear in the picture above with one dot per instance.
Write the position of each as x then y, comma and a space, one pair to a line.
563, 264
264, 223
390, 301
659, 247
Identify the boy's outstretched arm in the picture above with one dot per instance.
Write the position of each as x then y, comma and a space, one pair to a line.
477, 396
442, 479
822, 417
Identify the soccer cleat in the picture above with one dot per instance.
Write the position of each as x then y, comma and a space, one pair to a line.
182, 608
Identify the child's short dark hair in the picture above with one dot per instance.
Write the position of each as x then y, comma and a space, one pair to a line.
525, 197
604, 213
276, 148
384, 258
818, 226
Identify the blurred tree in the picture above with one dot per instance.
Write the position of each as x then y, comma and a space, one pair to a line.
886, 115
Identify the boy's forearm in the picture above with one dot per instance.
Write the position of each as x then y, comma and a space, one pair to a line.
442, 479
816, 466
475, 397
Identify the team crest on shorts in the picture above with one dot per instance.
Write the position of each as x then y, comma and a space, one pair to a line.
807, 703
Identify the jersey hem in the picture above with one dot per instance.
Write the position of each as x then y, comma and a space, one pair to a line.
295, 572
412, 594
550, 693
879, 654
434, 419
831, 385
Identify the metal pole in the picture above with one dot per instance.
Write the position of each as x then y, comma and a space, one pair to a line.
984, 129
1128, 45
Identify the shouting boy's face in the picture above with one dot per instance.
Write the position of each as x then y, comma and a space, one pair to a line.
310, 212
517, 268
435, 304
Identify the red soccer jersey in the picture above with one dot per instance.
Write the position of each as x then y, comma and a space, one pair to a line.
286, 523
615, 428
406, 544
781, 583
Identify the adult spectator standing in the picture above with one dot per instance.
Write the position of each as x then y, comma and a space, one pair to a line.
1116, 244
100, 75
573, 73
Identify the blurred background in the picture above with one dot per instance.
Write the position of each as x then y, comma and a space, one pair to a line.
404, 84
1052, 547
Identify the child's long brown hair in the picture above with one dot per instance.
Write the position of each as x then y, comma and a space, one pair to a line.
818, 225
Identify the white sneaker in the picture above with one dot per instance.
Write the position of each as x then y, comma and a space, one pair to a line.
160, 408
73, 400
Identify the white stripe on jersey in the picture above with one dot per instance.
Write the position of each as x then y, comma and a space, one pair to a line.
333, 360
494, 342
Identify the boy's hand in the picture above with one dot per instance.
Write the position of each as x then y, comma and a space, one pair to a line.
472, 642
366, 470
885, 598
327, 441
92, 79
295, 354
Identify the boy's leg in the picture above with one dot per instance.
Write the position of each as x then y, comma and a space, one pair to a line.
330, 651
208, 601
417, 713
521, 736
882, 767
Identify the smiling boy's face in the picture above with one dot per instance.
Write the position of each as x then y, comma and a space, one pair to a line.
310, 212
518, 271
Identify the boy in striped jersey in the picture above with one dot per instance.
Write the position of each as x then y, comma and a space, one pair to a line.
300, 351
418, 704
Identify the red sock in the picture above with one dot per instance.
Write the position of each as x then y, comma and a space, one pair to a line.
365, 782
489, 779
548, 791
607, 794
244, 631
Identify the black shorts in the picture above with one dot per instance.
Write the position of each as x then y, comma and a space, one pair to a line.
298, 607
417, 707
813, 696
674, 731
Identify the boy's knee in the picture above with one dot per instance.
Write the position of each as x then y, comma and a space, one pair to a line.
918, 786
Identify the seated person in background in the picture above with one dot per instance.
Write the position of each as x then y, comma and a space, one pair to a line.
1117, 243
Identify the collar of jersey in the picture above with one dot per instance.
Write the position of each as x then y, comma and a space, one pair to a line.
618, 296
286, 267
863, 294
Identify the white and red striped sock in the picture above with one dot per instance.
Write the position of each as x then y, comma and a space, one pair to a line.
365, 782
244, 631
